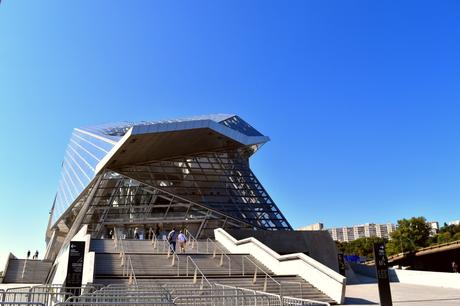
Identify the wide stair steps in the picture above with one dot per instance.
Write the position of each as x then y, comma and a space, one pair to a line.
152, 266
146, 246
110, 264
26, 271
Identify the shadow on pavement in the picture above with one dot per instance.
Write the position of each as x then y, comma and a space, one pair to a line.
358, 301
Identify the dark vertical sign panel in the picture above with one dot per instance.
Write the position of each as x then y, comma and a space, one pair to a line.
381, 266
75, 265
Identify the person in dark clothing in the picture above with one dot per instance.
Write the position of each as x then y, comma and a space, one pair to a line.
28, 254
157, 231
36, 255
172, 240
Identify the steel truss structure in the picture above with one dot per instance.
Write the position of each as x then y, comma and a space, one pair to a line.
192, 173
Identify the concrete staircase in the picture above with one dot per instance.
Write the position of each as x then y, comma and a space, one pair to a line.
147, 247
27, 271
153, 266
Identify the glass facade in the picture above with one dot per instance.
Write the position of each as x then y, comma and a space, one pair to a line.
84, 151
205, 190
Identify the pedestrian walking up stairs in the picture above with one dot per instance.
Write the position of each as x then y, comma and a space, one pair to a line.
26, 271
206, 264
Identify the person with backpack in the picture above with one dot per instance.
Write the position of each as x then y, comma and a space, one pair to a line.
172, 240
182, 241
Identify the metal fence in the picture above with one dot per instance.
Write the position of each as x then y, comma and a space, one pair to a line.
146, 294
21, 304
227, 300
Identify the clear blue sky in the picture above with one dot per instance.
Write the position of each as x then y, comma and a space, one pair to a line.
360, 98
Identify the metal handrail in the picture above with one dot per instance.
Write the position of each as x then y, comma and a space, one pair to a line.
130, 271
174, 257
284, 300
154, 240
126, 262
291, 282
222, 254
192, 239
267, 276
195, 273
24, 268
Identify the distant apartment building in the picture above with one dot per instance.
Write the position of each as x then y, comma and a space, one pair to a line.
346, 234
312, 227
434, 227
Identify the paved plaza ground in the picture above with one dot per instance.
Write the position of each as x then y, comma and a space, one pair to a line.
402, 294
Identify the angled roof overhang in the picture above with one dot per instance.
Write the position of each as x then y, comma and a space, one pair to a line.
144, 143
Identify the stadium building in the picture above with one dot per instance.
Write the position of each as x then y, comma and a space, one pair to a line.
124, 186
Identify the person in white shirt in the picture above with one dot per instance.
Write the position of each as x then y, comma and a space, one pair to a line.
182, 241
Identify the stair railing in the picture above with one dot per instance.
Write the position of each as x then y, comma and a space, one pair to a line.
195, 273
192, 239
128, 271
24, 268
222, 254
119, 247
174, 256
154, 240
293, 283
256, 269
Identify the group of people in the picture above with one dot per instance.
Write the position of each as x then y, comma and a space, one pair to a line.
174, 238
33, 257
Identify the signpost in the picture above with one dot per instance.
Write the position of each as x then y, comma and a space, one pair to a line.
75, 265
381, 266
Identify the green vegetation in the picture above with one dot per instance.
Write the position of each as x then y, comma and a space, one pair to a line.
410, 235
447, 233
360, 247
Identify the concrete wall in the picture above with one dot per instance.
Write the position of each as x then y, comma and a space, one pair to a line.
61, 262
317, 274
10, 256
316, 244
424, 278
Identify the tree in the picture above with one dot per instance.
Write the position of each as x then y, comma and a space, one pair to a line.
361, 247
447, 233
410, 235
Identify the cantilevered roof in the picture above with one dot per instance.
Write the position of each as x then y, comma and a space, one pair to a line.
118, 144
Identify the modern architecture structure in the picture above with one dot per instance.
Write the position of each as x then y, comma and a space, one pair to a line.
191, 172
127, 188
350, 233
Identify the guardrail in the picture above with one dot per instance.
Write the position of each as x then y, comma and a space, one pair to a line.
154, 294
195, 273
130, 271
21, 304
116, 303
258, 268
277, 299
222, 254
193, 241
247, 300
24, 267
320, 276
45, 298
284, 284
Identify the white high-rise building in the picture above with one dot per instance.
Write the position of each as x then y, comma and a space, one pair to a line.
359, 231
